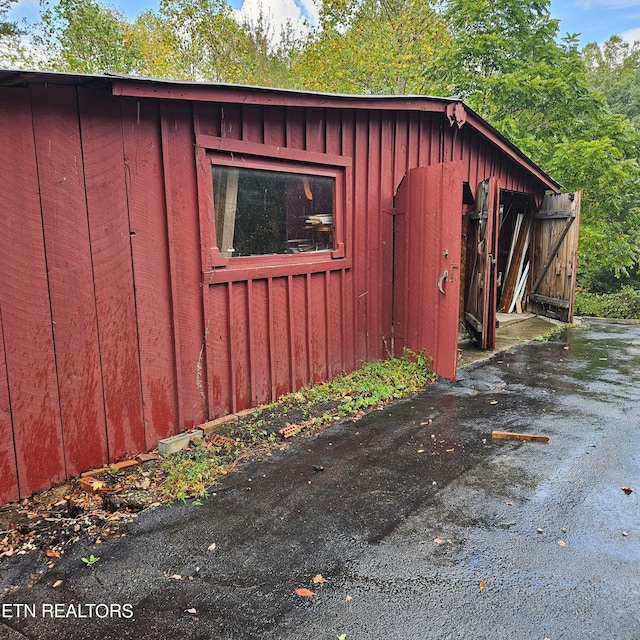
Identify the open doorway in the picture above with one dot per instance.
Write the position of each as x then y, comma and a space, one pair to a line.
516, 258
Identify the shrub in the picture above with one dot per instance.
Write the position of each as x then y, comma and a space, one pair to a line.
624, 304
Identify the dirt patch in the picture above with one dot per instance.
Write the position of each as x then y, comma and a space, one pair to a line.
101, 504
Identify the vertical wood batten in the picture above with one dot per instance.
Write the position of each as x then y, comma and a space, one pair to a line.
185, 260
71, 286
361, 248
26, 313
300, 311
150, 247
258, 312
9, 487
232, 348
272, 339
113, 270
241, 338
293, 377
374, 236
280, 337
390, 148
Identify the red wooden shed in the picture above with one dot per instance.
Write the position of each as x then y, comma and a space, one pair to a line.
173, 252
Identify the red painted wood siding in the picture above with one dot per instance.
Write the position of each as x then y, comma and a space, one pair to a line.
116, 331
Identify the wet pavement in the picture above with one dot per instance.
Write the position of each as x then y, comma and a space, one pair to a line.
420, 523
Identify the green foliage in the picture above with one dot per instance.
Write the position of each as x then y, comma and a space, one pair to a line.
85, 36
373, 384
623, 304
552, 333
7, 28
191, 472
614, 69
372, 47
91, 560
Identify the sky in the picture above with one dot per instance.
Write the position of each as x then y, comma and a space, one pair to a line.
594, 20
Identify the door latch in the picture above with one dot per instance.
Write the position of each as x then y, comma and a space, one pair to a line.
443, 276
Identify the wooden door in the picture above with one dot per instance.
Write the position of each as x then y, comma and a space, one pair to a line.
427, 264
553, 260
482, 231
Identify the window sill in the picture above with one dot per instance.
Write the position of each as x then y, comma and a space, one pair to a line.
275, 266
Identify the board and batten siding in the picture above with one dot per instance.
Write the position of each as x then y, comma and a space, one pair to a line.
115, 329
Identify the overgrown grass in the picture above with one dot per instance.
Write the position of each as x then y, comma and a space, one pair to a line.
554, 332
623, 304
373, 384
192, 472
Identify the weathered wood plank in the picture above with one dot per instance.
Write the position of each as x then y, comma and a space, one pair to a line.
301, 330
556, 302
108, 213
259, 328
511, 435
8, 470
185, 259
71, 287
220, 350
149, 245
552, 253
240, 340
24, 300
279, 338
316, 302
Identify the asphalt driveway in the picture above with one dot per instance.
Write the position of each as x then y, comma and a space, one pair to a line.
413, 521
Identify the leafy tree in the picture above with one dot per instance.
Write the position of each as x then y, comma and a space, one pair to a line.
614, 70
13, 52
514, 72
202, 40
7, 28
372, 47
85, 36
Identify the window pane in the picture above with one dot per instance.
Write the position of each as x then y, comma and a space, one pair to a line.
261, 212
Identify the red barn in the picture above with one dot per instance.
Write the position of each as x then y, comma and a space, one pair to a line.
173, 252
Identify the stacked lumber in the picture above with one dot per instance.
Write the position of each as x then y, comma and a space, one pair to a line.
320, 219
517, 269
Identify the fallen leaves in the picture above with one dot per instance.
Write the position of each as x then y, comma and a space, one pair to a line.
52, 554
481, 585
318, 579
627, 490
305, 593
211, 547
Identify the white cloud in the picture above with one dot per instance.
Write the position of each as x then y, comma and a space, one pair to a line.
279, 13
631, 35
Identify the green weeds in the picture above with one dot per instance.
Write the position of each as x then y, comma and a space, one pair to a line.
552, 333
191, 472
